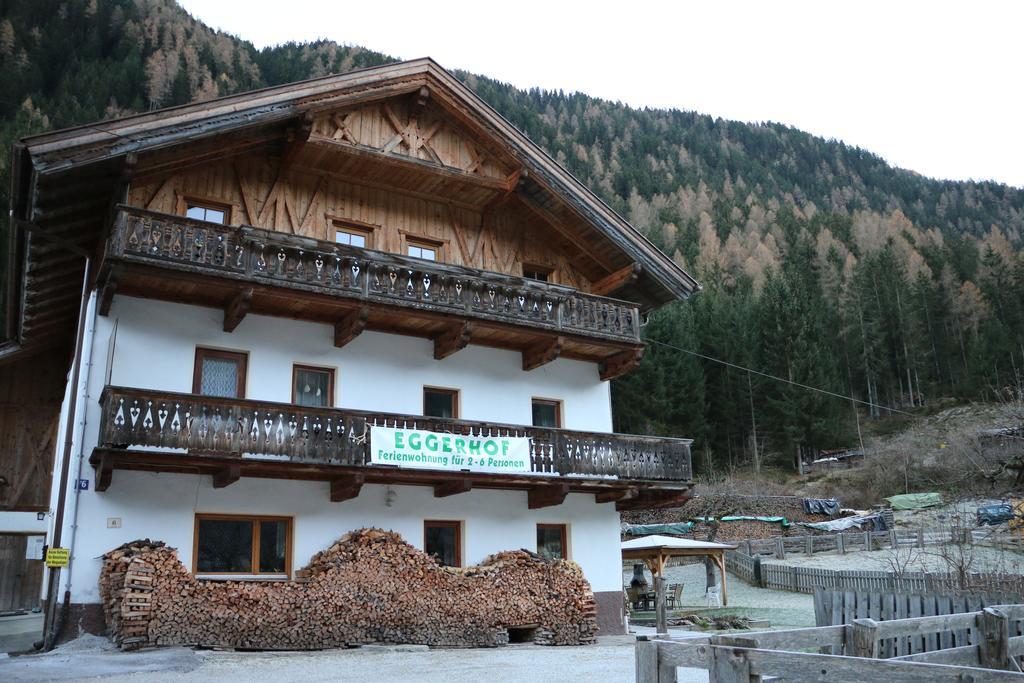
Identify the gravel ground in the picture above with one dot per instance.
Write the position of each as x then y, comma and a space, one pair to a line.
781, 608
930, 558
90, 658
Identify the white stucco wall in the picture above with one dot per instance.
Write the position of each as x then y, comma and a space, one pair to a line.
154, 347
156, 343
162, 506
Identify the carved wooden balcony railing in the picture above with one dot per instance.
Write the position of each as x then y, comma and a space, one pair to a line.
206, 424
264, 257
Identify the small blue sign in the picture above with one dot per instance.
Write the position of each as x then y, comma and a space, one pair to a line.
83, 484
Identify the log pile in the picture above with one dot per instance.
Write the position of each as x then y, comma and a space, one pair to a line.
369, 587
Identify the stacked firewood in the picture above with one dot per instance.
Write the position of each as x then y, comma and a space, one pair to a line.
369, 587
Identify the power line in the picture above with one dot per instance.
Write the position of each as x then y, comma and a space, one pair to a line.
776, 378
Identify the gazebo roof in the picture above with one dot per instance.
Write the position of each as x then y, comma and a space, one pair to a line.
669, 543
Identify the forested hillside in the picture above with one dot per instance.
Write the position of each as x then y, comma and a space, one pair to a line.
821, 263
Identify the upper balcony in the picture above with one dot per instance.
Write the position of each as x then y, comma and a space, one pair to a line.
232, 438
243, 269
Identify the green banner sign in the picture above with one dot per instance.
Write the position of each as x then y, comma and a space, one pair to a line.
421, 449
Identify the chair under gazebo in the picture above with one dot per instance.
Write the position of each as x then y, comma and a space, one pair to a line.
656, 550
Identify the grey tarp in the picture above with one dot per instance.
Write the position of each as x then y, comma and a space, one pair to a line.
821, 506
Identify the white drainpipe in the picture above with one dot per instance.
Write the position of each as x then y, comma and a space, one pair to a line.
78, 438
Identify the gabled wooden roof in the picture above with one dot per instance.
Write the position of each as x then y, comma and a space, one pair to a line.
63, 181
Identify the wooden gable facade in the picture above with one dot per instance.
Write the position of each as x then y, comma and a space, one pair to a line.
523, 257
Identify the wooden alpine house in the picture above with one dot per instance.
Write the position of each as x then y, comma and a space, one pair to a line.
363, 300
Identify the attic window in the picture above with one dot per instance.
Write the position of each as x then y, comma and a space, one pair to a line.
347, 232
534, 272
210, 213
424, 249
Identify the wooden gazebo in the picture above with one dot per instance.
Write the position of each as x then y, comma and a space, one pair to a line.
656, 550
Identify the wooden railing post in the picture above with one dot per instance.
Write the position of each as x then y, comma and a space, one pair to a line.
840, 543
646, 660
994, 643
728, 665
865, 638
780, 549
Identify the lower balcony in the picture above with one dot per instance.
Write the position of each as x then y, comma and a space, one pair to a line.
232, 438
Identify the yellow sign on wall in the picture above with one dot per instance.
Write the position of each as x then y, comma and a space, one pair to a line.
57, 557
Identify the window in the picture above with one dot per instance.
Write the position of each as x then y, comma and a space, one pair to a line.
552, 541
207, 212
231, 544
443, 541
533, 272
547, 413
313, 387
440, 402
352, 236
219, 373
423, 249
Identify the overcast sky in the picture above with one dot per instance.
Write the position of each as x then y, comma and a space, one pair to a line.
935, 87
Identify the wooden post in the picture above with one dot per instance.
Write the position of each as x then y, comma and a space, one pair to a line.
780, 549
725, 589
920, 537
728, 665
893, 542
867, 541
994, 643
646, 660
865, 638
659, 605
841, 543
809, 545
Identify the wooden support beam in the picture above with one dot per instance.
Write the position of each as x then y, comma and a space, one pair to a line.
453, 487
652, 499
227, 476
542, 353
614, 496
454, 339
236, 309
546, 496
294, 138
620, 364
620, 278
349, 327
346, 487
104, 473
581, 244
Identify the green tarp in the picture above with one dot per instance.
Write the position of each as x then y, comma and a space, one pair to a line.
776, 520
915, 501
651, 529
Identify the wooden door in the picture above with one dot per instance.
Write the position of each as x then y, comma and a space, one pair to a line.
21, 579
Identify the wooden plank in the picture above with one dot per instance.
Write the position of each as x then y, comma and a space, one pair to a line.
966, 655
806, 668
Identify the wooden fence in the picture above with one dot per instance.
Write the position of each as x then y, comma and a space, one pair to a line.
989, 654
808, 579
781, 546
746, 563
836, 608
